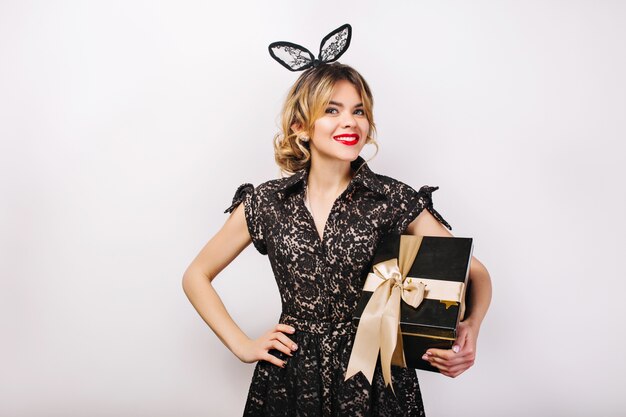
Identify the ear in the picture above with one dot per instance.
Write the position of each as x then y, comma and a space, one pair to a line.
296, 127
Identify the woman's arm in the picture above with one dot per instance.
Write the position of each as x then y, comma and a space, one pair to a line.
457, 360
229, 241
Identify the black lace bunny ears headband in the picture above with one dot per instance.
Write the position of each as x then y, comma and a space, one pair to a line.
297, 58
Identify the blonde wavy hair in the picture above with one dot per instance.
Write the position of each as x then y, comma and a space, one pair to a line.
305, 103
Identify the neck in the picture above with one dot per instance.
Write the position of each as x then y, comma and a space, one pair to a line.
328, 177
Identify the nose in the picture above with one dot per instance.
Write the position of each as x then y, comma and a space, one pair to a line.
349, 120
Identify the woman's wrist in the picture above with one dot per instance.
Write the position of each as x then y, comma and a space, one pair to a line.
238, 346
473, 323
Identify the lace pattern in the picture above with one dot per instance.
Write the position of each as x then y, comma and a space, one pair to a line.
334, 45
320, 279
295, 57
240, 194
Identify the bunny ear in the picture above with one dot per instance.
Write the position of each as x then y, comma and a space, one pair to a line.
335, 43
291, 56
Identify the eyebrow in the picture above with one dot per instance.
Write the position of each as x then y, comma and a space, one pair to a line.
341, 105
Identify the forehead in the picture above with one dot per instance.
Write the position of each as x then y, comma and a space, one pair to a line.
344, 90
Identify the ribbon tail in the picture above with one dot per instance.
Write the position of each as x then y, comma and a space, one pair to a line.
367, 339
398, 358
389, 333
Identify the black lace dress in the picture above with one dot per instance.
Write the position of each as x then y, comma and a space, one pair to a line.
320, 284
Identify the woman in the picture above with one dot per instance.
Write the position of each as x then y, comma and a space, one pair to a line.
320, 227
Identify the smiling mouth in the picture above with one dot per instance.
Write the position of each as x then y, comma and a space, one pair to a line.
349, 140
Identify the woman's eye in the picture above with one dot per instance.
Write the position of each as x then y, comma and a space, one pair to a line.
331, 110
360, 112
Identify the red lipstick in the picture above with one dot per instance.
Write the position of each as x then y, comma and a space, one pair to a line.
349, 139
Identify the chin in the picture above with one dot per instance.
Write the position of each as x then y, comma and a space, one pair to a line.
349, 156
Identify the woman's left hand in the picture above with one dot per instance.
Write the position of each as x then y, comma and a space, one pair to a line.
453, 362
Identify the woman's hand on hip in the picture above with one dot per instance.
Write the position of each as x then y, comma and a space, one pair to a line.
258, 349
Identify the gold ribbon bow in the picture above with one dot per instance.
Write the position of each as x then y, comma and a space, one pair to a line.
379, 325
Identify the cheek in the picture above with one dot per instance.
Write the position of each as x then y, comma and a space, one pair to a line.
324, 126
364, 125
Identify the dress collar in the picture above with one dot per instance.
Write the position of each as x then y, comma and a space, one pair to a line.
363, 176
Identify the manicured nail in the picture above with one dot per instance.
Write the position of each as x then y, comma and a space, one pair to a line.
294, 347
425, 357
291, 329
456, 348
284, 363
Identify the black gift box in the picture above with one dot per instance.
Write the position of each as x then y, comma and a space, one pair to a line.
433, 324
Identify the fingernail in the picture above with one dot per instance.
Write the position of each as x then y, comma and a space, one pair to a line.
456, 348
292, 329
425, 357
284, 363
294, 347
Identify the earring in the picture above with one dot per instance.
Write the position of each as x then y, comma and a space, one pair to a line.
303, 138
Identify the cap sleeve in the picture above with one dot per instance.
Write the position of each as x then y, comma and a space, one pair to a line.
247, 194
418, 201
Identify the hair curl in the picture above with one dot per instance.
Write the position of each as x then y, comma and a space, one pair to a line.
305, 103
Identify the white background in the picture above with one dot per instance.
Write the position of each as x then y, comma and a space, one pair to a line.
126, 127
